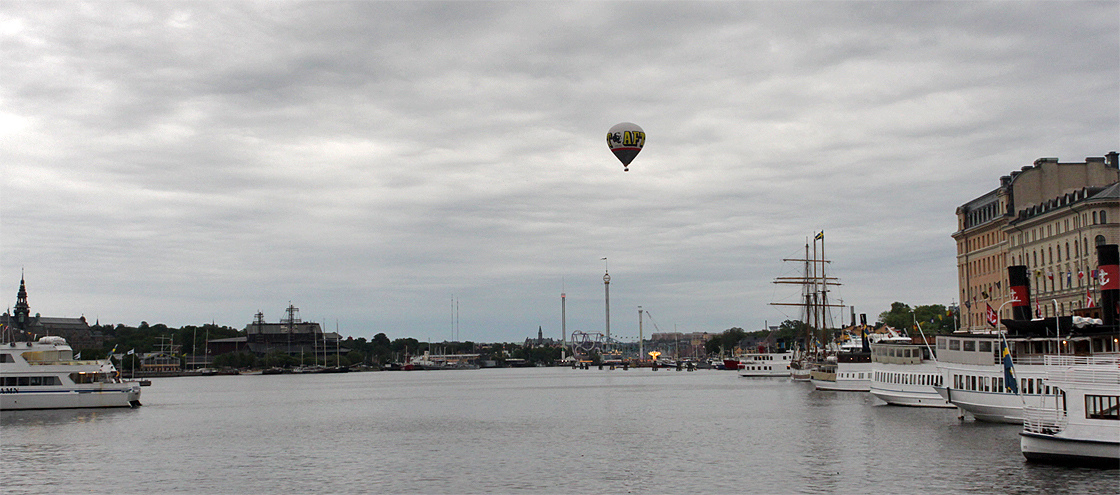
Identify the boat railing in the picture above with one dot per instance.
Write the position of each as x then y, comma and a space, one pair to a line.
1044, 420
64, 363
1094, 374
1072, 360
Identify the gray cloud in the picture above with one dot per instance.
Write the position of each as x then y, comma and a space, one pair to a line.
189, 162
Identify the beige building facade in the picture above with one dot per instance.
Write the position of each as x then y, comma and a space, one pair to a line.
1049, 217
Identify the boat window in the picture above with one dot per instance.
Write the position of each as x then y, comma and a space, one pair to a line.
7, 358
940, 343
1102, 407
970, 345
954, 345
985, 346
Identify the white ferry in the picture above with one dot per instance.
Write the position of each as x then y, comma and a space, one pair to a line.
843, 372
1082, 425
905, 374
45, 375
973, 373
765, 364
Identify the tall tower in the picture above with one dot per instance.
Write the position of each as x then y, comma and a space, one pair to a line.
641, 345
607, 292
23, 310
563, 320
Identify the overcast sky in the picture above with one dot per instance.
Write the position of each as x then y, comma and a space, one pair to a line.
372, 162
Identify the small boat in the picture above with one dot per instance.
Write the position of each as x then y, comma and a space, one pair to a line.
1079, 427
44, 375
844, 372
905, 374
765, 364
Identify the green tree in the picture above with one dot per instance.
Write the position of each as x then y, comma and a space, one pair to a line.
899, 316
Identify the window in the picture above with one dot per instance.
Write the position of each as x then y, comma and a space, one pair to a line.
985, 346
970, 345
7, 358
1104, 218
1099, 240
954, 345
1102, 407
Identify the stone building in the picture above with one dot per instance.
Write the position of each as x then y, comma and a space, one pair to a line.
1049, 217
21, 325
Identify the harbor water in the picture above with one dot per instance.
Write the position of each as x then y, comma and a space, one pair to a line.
535, 430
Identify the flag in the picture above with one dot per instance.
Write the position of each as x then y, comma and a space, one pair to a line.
997, 285
1080, 274
1009, 382
130, 352
984, 294
113, 351
1050, 275
1069, 279
968, 304
1089, 299
78, 356
993, 318
820, 236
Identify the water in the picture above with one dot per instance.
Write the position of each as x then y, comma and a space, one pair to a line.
543, 430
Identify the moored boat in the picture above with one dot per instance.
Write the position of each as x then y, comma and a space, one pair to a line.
44, 375
1079, 426
765, 364
905, 374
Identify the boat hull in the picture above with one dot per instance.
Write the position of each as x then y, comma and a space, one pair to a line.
992, 407
111, 395
910, 398
841, 385
1054, 449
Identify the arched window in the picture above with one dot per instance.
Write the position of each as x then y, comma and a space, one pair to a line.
1100, 240
1067, 250
1104, 217
1094, 218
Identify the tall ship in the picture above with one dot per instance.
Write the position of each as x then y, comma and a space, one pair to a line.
44, 375
972, 364
812, 349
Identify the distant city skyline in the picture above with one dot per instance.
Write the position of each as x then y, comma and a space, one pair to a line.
370, 162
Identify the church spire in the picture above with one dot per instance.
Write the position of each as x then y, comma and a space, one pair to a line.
23, 310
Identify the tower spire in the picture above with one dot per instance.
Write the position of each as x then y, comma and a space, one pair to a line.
23, 310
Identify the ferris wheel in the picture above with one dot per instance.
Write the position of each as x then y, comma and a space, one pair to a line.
584, 343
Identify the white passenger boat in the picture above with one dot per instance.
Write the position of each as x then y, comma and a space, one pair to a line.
765, 364
1081, 426
905, 374
973, 375
844, 372
45, 375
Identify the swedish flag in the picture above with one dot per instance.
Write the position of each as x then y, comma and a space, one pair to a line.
1009, 381
820, 236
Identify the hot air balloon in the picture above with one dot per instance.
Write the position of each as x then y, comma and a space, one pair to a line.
625, 141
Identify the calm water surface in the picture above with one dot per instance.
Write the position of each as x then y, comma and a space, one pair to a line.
542, 430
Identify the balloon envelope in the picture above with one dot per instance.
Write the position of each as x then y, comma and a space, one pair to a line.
625, 141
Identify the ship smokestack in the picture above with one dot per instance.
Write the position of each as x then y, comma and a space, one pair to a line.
1108, 266
1020, 292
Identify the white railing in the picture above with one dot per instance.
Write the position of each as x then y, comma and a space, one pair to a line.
1073, 360
1044, 421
